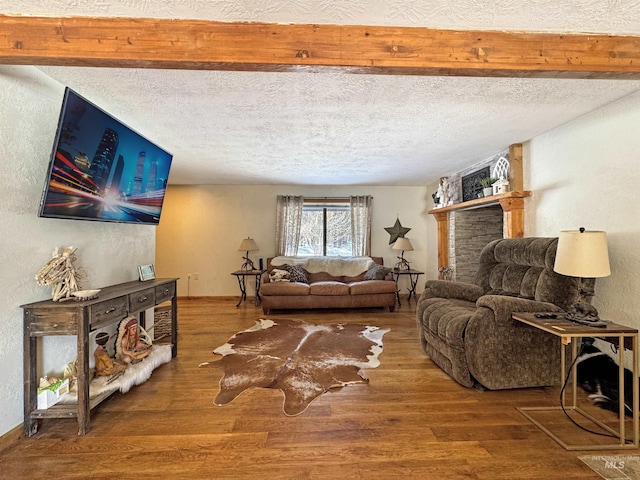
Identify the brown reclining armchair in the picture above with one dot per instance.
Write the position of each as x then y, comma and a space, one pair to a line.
467, 329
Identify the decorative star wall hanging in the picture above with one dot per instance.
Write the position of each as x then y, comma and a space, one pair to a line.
396, 231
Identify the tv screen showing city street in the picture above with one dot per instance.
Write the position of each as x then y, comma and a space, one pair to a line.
102, 170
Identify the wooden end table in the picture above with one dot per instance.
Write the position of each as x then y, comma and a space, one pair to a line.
568, 331
240, 276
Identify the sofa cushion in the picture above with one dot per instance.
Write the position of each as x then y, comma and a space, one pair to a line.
376, 272
329, 288
284, 288
372, 286
297, 273
322, 277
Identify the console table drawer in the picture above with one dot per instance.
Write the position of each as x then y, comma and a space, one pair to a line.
108, 311
165, 292
142, 300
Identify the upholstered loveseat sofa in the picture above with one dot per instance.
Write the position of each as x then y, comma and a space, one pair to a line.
330, 282
467, 329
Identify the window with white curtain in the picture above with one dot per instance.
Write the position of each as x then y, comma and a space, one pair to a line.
324, 226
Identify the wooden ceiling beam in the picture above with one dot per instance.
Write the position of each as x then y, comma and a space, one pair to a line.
208, 45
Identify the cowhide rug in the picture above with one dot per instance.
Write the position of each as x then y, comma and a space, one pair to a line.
301, 359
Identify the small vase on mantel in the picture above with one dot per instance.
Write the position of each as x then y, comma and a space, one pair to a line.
487, 191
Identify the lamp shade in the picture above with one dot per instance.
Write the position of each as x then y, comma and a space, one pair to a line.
582, 254
402, 244
248, 245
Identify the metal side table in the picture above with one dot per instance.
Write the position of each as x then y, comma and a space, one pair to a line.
568, 331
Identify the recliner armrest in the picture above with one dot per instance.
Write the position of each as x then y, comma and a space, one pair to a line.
503, 306
448, 289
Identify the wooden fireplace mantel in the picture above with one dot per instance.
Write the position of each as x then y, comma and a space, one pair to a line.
508, 201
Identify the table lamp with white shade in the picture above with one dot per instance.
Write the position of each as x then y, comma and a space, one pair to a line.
403, 244
248, 245
583, 254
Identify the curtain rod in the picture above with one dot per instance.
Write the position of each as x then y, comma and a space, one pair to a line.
327, 199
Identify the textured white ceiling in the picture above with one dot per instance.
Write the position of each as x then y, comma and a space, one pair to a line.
328, 128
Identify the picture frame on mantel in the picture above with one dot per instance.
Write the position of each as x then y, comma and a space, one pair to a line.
471, 185
146, 272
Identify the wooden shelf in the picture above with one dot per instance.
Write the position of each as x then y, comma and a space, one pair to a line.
482, 202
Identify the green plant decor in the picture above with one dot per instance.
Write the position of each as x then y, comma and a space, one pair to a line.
488, 182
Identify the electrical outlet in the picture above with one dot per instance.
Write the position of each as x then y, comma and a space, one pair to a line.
195, 276
189, 276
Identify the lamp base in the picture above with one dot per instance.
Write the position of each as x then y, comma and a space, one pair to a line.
402, 265
585, 314
248, 264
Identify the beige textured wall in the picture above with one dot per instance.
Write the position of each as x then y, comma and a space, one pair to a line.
586, 174
202, 227
109, 253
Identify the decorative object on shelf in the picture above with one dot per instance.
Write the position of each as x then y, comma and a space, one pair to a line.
50, 391
61, 274
82, 295
397, 231
248, 245
583, 254
501, 168
105, 366
471, 185
501, 186
146, 272
436, 200
444, 191
133, 375
404, 245
71, 373
445, 273
133, 342
487, 185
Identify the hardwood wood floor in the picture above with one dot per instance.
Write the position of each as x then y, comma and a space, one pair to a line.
411, 421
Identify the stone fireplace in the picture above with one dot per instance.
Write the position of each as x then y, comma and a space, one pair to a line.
469, 232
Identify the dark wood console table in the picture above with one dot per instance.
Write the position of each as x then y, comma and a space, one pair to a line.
79, 318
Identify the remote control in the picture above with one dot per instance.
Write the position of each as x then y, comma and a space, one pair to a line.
545, 315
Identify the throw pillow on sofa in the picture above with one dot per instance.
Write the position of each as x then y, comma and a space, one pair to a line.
297, 273
278, 275
377, 272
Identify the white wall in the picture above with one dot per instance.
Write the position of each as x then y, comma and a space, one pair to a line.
587, 174
109, 253
202, 227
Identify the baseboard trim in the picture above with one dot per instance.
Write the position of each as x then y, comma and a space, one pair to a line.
214, 298
11, 437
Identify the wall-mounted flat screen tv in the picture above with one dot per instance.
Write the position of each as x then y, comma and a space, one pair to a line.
102, 170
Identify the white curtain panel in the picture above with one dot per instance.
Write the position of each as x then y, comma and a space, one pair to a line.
361, 225
288, 220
